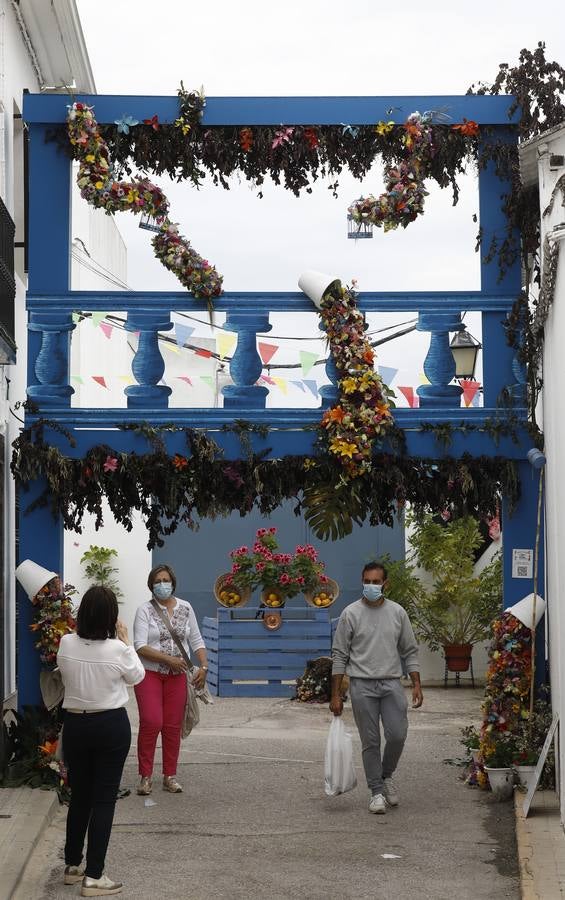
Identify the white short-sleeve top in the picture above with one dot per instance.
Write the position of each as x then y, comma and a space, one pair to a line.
150, 631
96, 673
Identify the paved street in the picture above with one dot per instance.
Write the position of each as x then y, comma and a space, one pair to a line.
254, 822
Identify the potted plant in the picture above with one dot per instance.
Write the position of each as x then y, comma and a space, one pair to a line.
457, 611
471, 741
307, 573
498, 764
98, 568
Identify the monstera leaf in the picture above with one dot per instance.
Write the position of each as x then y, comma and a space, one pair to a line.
331, 511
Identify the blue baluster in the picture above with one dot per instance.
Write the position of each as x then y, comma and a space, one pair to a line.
330, 392
519, 389
148, 365
439, 365
246, 365
51, 365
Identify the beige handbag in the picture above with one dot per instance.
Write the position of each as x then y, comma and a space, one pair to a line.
191, 711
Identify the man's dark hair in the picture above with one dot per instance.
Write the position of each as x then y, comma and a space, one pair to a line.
163, 567
97, 614
374, 564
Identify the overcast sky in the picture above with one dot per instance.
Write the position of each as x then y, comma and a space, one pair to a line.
312, 47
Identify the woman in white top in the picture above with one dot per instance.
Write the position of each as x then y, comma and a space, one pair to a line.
161, 696
96, 664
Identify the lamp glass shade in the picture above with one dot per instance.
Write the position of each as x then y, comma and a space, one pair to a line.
465, 349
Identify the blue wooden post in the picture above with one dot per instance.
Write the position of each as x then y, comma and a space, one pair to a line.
148, 365
246, 365
41, 538
519, 533
330, 392
439, 365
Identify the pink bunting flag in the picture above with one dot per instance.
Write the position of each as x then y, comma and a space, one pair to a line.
106, 329
408, 393
470, 389
99, 379
266, 352
267, 379
185, 378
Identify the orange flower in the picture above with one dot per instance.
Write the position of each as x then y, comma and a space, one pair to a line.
369, 356
335, 414
468, 128
246, 139
179, 462
48, 748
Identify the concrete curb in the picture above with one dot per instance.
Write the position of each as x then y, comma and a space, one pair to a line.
525, 850
541, 847
29, 811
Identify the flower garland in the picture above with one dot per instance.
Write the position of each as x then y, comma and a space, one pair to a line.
363, 411
403, 200
53, 618
101, 189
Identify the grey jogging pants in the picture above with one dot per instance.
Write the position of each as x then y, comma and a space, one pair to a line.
375, 700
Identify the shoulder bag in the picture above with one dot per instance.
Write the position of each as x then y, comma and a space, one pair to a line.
191, 712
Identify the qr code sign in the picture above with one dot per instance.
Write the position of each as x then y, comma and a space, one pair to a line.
522, 571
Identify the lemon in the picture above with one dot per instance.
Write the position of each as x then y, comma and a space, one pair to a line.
318, 601
272, 597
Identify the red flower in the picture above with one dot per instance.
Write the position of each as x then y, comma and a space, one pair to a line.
468, 128
111, 464
246, 139
179, 462
311, 138
154, 122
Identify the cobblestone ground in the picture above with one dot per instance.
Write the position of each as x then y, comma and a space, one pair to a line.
254, 822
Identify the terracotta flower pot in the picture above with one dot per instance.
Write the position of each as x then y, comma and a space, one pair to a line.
221, 588
458, 657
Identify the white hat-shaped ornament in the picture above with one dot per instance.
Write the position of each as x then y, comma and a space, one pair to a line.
524, 610
33, 577
315, 284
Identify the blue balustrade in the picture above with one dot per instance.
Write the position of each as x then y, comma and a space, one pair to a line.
439, 365
51, 364
148, 365
246, 365
330, 392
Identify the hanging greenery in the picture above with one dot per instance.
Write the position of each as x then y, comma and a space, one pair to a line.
201, 483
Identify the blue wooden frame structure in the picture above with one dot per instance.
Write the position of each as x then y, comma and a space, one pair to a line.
50, 304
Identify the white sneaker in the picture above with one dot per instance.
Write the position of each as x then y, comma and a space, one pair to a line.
377, 804
99, 887
391, 792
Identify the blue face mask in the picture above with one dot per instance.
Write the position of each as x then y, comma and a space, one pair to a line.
372, 592
163, 590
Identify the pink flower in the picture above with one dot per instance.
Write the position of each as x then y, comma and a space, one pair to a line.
284, 579
111, 464
260, 566
261, 532
324, 579
236, 567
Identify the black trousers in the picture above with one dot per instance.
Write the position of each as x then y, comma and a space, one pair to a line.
95, 748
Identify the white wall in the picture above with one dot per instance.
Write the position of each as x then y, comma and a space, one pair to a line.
554, 429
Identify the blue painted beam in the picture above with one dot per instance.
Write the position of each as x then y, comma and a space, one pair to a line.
274, 301
485, 110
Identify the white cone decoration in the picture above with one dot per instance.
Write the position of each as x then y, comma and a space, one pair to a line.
33, 577
315, 284
524, 610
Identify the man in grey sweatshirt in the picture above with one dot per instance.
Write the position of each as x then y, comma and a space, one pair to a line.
372, 640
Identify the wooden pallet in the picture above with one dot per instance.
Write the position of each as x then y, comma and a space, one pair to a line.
247, 660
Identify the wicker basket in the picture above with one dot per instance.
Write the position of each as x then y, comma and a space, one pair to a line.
220, 586
331, 588
271, 604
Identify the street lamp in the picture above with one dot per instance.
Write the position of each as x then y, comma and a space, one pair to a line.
465, 349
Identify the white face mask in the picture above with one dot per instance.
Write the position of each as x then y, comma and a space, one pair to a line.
372, 592
163, 590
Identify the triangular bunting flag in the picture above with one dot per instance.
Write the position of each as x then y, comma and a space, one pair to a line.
77, 317
267, 379
185, 378
423, 378
470, 390
307, 360
281, 383
106, 329
225, 342
99, 379
77, 379
476, 399
97, 317
207, 379
408, 393
300, 385
200, 351
266, 352
312, 386
172, 347
182, 333
388, 374
127, 378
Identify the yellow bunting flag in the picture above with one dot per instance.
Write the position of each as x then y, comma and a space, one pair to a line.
281, 383
225, 342
172, 347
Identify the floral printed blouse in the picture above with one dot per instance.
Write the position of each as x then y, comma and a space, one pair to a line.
150, 631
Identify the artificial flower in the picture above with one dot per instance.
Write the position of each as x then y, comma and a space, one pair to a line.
384, 128
282, 136
179, 462
246, 139
469, 128
125, 123
111, 464
153, 121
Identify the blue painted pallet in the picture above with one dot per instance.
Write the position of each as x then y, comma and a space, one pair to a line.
246, 660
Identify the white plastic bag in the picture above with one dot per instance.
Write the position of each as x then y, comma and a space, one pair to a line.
340, 774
